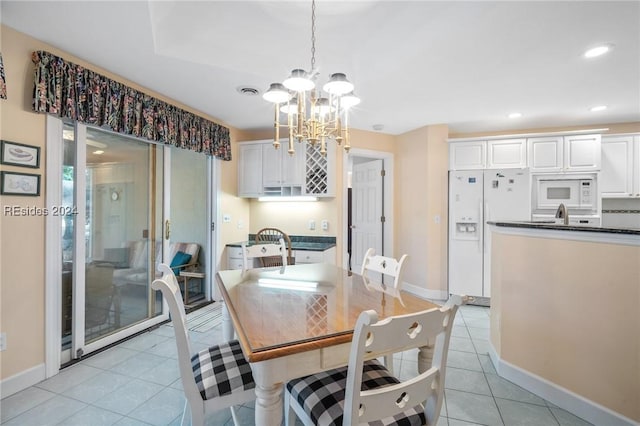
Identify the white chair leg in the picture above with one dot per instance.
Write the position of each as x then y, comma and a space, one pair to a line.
388, 362
234, 416
289, 414
186, 414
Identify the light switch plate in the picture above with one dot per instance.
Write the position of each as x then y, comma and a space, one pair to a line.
3, 341
226, 218
312, 225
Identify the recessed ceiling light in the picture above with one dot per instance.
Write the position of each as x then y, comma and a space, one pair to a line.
598, 108
378, 127
515, 115
598, 51
98, 152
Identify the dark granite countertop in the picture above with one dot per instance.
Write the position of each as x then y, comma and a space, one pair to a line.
300, 242
542, 225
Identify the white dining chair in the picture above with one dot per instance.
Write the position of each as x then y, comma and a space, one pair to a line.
365, 391
384, 265
214, 378
273, 254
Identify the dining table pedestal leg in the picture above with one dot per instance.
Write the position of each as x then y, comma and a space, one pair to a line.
268, 405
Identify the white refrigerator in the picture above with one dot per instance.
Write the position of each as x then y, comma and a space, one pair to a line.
475, 197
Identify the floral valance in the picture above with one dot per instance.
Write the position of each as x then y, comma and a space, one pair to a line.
3, 83
71, 91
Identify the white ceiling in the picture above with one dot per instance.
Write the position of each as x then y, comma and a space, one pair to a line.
414, 63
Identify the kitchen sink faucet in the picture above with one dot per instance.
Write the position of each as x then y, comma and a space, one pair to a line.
562, 213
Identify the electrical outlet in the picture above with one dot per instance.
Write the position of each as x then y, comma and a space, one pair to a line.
325, 225
312, 225
240, 224
3, 341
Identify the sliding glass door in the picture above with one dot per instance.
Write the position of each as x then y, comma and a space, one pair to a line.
122, 206
112, 237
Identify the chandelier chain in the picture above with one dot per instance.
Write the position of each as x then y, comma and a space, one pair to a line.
313, 35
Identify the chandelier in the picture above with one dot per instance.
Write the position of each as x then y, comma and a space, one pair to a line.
312, 115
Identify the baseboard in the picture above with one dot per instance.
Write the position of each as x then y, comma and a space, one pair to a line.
425, 293
22, 380
572, 402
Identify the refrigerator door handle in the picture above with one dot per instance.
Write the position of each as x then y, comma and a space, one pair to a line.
478, 228
487, 217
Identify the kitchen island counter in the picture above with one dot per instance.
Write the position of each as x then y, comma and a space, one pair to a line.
565, 316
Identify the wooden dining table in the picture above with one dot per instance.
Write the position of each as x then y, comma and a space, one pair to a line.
301, 322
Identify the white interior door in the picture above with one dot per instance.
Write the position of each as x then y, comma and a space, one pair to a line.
367, 210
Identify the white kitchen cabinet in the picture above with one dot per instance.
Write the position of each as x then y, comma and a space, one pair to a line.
467, 155
492, 154
310, 256
234, 257
546, 154
282, 173
576, 153
507, 154
620, 175
266, 171
582, 153
250, 170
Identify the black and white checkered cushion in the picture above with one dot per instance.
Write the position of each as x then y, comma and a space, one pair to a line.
220, 370
322, 395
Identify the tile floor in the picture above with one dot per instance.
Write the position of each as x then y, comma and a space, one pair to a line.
138, 383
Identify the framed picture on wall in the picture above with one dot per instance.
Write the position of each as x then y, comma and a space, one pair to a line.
17, 154
12, 183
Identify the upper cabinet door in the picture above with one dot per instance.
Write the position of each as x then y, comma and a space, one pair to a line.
250, 170
507, 154
620, 175
469, 155
582, 153
271, 165
546, 154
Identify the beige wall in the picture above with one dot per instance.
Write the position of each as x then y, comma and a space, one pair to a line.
22, 245
421, 195
569, 312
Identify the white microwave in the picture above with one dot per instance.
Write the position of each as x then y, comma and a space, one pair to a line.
576, 192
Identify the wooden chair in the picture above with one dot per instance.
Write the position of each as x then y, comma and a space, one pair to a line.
383, 265
214, 378
365, 391
273, 235
274, 254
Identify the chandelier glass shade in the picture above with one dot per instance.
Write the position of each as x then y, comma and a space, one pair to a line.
310, 114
